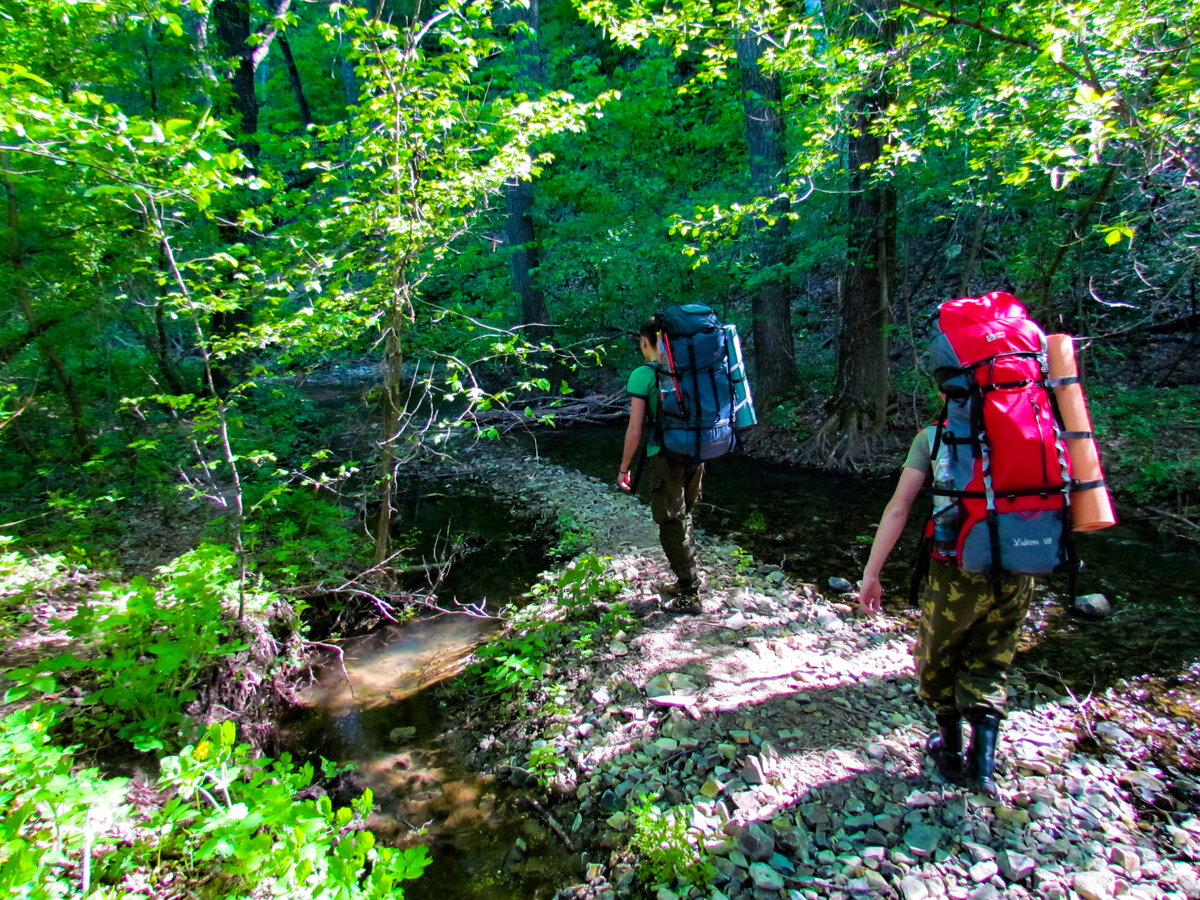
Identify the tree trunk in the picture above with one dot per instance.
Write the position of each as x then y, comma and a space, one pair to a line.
392, 408
523, 260
774, 350
232, 20
519, 231
293, 75
859, 403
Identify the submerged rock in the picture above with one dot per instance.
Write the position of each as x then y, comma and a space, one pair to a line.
1092, 606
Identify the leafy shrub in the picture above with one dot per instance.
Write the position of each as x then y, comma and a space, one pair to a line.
231, 821
580, 612
1150, 443
146, 645
668, 849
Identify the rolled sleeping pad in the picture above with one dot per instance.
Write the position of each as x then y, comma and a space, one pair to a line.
1091, 509
743, 402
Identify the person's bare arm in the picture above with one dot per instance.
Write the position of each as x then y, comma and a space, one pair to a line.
633, 439
891, 526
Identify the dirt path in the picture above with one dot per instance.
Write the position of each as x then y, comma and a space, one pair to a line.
787, 731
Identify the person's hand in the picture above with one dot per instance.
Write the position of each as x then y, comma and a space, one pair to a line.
870, 595
625, 480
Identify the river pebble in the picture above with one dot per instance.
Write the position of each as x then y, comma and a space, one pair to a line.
788, 732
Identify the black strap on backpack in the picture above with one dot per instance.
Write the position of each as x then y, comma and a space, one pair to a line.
637, 474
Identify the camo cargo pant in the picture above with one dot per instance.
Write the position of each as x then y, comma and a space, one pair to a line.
674, 490
967, 637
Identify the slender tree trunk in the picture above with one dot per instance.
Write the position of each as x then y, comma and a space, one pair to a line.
774, 350
519, 231
1043, 307
972, 260
859, 403
392, 407
293, 75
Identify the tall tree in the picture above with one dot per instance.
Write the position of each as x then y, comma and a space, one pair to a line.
770, 285
859, 403
519, 230
428, 149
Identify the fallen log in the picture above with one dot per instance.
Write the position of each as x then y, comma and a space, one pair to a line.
608, 409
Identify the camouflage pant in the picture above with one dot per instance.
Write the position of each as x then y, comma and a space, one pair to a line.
968, 636
674, 490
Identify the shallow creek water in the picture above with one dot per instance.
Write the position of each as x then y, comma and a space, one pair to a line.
378, 714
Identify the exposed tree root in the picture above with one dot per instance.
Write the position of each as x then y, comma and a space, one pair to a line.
847, 450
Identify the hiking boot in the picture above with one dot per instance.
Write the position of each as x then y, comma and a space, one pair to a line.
685, 602
644, 608
946, 747
981, 757
678, 588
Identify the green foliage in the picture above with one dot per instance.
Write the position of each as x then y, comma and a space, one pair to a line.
228, 818
578, 589
669, 850
545, 760
242, 817
573, 607
743, 560
1148, 440
53, 811
145, 645
571, 536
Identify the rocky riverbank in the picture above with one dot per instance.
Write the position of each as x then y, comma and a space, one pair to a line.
785, 731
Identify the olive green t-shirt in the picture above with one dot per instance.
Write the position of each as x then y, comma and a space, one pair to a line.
643, 382
921, 449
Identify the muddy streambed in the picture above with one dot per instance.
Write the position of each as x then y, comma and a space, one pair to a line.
379, 714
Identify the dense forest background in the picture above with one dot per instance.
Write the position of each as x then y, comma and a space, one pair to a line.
207, 202
213, 207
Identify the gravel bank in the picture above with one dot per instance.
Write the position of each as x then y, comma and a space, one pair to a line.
787, 731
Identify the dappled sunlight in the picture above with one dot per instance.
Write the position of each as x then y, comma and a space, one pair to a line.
395, 663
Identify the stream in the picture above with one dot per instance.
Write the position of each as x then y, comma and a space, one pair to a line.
379, 716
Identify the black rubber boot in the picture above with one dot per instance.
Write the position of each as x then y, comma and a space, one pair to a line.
981, 758
946, 747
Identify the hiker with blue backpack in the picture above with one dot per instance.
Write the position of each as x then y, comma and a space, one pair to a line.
1005, 468
687, 399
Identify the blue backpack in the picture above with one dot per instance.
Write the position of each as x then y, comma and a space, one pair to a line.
704, 395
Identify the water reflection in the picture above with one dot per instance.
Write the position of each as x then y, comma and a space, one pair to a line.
371, 708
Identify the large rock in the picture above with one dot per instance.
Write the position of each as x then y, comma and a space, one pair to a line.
1015, 866
765, 878
756, 843
1092, 606
1098, 885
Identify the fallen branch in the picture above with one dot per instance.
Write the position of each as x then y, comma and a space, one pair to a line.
552, 823
1179, 520
601, 410
341, 661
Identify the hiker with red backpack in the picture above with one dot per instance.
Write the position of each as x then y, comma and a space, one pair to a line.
692, 392
1004, 468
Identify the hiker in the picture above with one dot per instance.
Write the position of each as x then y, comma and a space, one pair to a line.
966, 637
674, 481
1001, 469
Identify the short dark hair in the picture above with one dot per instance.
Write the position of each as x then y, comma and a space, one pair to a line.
650, 329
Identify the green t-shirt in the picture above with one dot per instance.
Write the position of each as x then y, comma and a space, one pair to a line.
643, 382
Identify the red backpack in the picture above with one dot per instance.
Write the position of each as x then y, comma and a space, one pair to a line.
1002, 474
